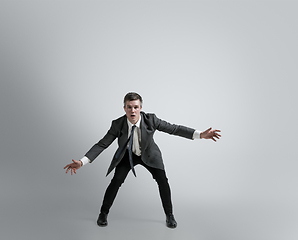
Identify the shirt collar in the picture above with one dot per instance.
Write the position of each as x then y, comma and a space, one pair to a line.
137, 123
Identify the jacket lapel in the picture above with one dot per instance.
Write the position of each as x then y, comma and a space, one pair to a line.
144, 134
123, 133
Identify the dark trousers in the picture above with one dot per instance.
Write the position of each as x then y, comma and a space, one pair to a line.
121, 172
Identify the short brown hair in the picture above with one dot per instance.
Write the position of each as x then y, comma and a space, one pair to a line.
131, 96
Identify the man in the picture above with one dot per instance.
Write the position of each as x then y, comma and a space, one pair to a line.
135, 132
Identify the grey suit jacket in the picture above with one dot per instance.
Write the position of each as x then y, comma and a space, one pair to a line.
151, 155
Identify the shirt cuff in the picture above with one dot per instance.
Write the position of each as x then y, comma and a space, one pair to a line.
196, 135
85, 160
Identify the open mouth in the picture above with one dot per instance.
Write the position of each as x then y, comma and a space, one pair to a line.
132, 115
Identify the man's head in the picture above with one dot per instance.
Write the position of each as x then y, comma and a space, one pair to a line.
133, 106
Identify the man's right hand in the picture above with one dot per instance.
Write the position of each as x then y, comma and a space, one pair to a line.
73, 167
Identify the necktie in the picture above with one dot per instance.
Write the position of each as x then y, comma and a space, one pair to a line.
130, 140
136, 144
130, 150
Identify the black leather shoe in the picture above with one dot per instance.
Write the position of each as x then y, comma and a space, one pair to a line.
171, 222
102, 220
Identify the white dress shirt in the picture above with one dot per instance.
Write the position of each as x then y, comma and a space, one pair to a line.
136, 146
136, 143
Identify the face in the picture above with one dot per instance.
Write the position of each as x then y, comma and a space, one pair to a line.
133, 109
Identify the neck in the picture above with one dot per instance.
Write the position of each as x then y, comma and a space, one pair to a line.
134, 122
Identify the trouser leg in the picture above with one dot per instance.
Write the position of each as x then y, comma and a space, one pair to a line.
121, 172
164, 188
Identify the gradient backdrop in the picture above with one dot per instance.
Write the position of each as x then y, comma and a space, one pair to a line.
65, 67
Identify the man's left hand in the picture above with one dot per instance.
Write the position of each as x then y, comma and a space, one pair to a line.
210, 134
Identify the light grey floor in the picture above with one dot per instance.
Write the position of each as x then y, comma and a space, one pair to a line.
47, 217
64, 212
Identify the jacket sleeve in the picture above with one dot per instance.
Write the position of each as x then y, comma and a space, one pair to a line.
173, 129
105, 142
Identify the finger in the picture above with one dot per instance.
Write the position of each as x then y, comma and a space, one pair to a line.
66, 166
212, 133
75, 171
208, 129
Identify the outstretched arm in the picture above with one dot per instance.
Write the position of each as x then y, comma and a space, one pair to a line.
210, 134
74, 166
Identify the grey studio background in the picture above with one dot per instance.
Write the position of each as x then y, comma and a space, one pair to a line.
65, 68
